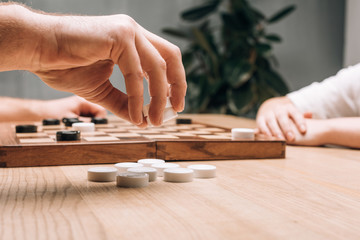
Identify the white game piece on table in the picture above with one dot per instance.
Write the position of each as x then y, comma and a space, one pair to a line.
242, 134
132, 180
147, 162
169, 112
102, 174
161, 166
152, 172
203, 170
123, 166
84, 127
178, 175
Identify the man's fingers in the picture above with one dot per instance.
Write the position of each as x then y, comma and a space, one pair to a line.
155, 67
130, 66
175, 70
112, 99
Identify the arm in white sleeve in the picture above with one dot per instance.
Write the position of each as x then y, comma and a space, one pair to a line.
337, 96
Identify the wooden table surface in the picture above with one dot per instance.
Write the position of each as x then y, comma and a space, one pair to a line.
312, 194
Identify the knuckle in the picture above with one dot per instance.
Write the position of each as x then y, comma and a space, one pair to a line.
126, 27
175, 50
134, 76
161, 64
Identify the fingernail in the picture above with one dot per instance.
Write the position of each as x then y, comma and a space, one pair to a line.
139, 122
280, 136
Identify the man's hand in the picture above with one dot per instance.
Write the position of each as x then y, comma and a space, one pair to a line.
278, 117
77, 54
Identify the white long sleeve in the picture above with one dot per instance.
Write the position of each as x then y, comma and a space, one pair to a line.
337, 96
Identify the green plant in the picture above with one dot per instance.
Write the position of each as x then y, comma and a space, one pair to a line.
229, 63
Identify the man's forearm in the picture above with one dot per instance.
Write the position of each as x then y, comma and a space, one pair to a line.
21, 35
13, 109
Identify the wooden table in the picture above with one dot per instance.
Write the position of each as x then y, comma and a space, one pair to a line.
312, 194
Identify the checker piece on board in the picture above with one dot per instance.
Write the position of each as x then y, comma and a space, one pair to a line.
84, 127
169, 112
69, 121
67, 135
26, 129
50, 122
97, 120
183, 121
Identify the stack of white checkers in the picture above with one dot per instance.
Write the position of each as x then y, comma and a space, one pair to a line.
134, 175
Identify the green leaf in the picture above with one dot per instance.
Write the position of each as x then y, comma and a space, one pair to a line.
274, 80
281, 14
273, 38
199, 12
263, 48
237, 72
176, 33
258, 14
240, 100
206, 43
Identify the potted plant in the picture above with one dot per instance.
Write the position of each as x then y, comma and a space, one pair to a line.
230, 68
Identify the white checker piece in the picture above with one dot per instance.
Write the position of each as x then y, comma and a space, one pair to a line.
203, 170
124, 166
84, 127
243, 134
168, 114
178, 175
132, 180
102, 174
148, 170
148, 162
160, 167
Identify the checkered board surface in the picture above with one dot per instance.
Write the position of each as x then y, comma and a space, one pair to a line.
120, 141
123, 131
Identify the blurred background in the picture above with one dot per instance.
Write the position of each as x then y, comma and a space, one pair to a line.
318, 38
